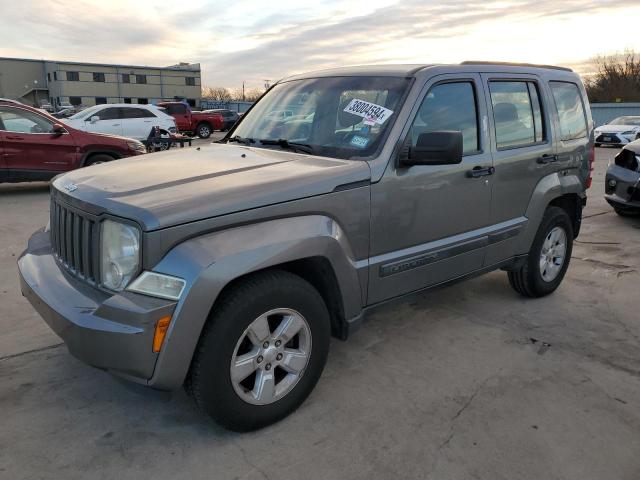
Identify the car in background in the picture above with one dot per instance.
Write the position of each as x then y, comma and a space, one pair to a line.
193, 122
622, 181
47, 107
618, 131
64, 113
132, 121
36, 146
279, 115
229, 117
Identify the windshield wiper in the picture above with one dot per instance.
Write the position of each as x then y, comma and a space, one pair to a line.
295, 146
239, 139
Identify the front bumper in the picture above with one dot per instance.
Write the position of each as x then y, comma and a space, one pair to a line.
111, 332
626, 191
614, 139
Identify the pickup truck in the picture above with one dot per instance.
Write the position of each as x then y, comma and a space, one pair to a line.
201, 123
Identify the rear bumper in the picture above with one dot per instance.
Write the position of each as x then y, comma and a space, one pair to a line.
111, 332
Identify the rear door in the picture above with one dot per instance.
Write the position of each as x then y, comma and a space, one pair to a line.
28, 144
523, 152
137, 122
109, 121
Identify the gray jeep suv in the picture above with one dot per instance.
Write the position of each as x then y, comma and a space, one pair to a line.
227, 268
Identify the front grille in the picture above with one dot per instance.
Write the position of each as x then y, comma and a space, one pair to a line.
74, 240
613, 138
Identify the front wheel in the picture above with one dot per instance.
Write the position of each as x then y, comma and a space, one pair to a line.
261, 352
203, 130
549, 257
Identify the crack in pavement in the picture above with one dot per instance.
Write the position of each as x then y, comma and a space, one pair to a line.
35, 350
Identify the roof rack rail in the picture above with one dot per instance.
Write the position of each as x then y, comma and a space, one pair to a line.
512, 64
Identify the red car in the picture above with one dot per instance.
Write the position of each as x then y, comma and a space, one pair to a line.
201, 123
36, 146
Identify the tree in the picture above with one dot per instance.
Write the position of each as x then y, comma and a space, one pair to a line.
617, 78
250, 94
217, 94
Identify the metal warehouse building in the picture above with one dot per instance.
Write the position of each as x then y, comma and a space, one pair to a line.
39, 81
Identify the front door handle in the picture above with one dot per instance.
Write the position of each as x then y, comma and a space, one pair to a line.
14, 137
479, 171
546, 158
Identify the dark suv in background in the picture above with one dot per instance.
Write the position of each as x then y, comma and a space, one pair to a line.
35, 146
229, 117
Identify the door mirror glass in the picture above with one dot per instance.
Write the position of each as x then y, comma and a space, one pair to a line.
436, 148
94, 119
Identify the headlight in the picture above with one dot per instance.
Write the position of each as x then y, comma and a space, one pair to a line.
629, 132
158, 285
119, 254
136, 145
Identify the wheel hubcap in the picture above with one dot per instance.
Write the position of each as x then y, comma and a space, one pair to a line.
552, 256
271, 356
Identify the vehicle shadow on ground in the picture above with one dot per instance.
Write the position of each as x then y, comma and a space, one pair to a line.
23, 188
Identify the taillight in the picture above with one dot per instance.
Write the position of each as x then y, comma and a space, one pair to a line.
592, 159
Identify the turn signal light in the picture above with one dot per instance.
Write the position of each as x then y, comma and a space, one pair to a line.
162, 326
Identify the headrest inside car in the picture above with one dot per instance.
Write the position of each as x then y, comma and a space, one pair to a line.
347, 119
505, 112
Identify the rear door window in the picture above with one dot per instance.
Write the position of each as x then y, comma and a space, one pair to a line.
571, 112
517, 113
449, 106
136, 113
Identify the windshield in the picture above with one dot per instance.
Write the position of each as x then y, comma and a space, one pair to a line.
341, 117
625, 121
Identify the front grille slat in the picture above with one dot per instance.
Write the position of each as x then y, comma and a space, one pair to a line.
72, 240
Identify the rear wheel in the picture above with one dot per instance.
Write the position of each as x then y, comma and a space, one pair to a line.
204, 130
97, 159
549, 257
597, 144
261, 352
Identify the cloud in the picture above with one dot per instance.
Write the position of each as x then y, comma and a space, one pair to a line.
250, 41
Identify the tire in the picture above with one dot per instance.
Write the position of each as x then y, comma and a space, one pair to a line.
597, 144
532, 279
204, 130
234, 404
97, 159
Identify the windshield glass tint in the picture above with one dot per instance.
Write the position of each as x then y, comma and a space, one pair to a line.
342, 117
85, 112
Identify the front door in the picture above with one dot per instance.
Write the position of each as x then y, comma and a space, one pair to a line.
29, 146
108, 120
429, 222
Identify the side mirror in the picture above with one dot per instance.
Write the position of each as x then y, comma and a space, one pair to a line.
435, 148
94, 119
57, 130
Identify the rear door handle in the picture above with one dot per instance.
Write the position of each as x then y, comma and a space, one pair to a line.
544, 159
480, 172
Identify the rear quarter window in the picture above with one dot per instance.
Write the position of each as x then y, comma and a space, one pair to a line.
570, 108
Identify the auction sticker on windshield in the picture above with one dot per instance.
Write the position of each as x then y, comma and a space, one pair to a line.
371, 112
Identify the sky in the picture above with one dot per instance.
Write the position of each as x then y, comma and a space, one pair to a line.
257, 40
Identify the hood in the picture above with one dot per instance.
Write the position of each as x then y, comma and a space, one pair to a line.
616, 128
159, 190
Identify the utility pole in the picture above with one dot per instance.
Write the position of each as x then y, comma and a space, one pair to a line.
243, 90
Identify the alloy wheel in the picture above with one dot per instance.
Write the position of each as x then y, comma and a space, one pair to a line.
553, 253
271, 356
